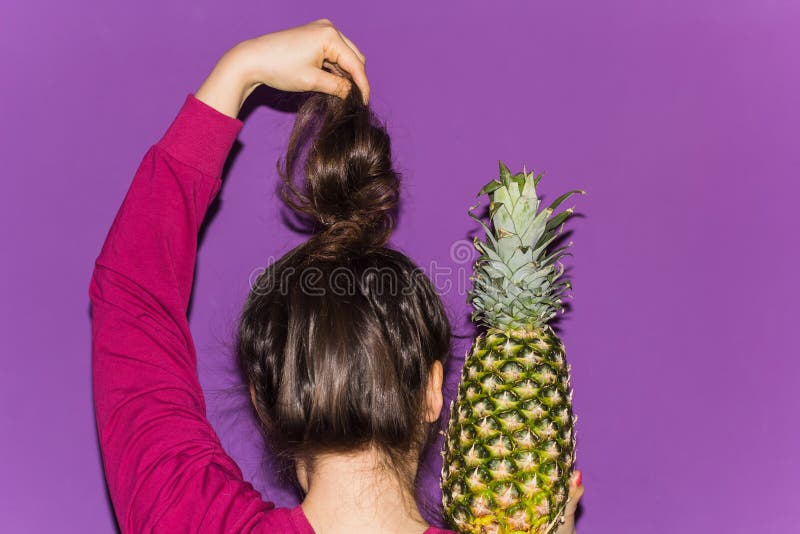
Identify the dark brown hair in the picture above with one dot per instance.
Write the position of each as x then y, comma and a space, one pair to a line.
338, 336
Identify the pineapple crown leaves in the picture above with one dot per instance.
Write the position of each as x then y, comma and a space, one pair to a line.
518, 283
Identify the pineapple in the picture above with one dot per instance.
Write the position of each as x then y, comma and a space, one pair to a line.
510, 444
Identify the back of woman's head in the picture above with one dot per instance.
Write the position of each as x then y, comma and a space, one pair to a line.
338, 337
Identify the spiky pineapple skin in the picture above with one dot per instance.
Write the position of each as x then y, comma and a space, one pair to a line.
510, 443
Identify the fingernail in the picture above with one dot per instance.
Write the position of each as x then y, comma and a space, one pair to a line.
578, 478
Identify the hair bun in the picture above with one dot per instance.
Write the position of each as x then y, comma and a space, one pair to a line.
350, 192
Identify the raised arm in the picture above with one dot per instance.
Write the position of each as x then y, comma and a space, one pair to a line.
165, 468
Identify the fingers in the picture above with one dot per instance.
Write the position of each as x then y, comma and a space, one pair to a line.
338, 50
332, 84
355, 49
576, 489
351, 44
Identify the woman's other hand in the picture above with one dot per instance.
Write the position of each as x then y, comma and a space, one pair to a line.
576, 490
288, 60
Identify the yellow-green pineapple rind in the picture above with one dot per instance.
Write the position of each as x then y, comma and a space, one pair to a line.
510, 444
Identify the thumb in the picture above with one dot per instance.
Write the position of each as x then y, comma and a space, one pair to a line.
332, 84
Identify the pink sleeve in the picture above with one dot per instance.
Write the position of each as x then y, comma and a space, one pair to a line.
165, 467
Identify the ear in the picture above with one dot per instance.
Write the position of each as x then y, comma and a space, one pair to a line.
433, 397
253, 395
302, 475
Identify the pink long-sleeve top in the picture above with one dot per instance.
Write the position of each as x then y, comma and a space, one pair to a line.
165, 466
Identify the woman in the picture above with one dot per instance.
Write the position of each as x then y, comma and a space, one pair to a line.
345, 373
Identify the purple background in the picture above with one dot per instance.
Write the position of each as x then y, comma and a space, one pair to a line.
680, 119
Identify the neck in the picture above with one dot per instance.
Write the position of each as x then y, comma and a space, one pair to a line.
354, 493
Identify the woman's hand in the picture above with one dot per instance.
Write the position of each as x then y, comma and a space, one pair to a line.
576, 490
288, 60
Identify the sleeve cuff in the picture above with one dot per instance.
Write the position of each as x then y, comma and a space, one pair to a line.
201, 136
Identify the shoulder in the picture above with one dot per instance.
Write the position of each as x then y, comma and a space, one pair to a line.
275, 520
284, 520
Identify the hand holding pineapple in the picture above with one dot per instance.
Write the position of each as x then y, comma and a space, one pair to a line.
576, 490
